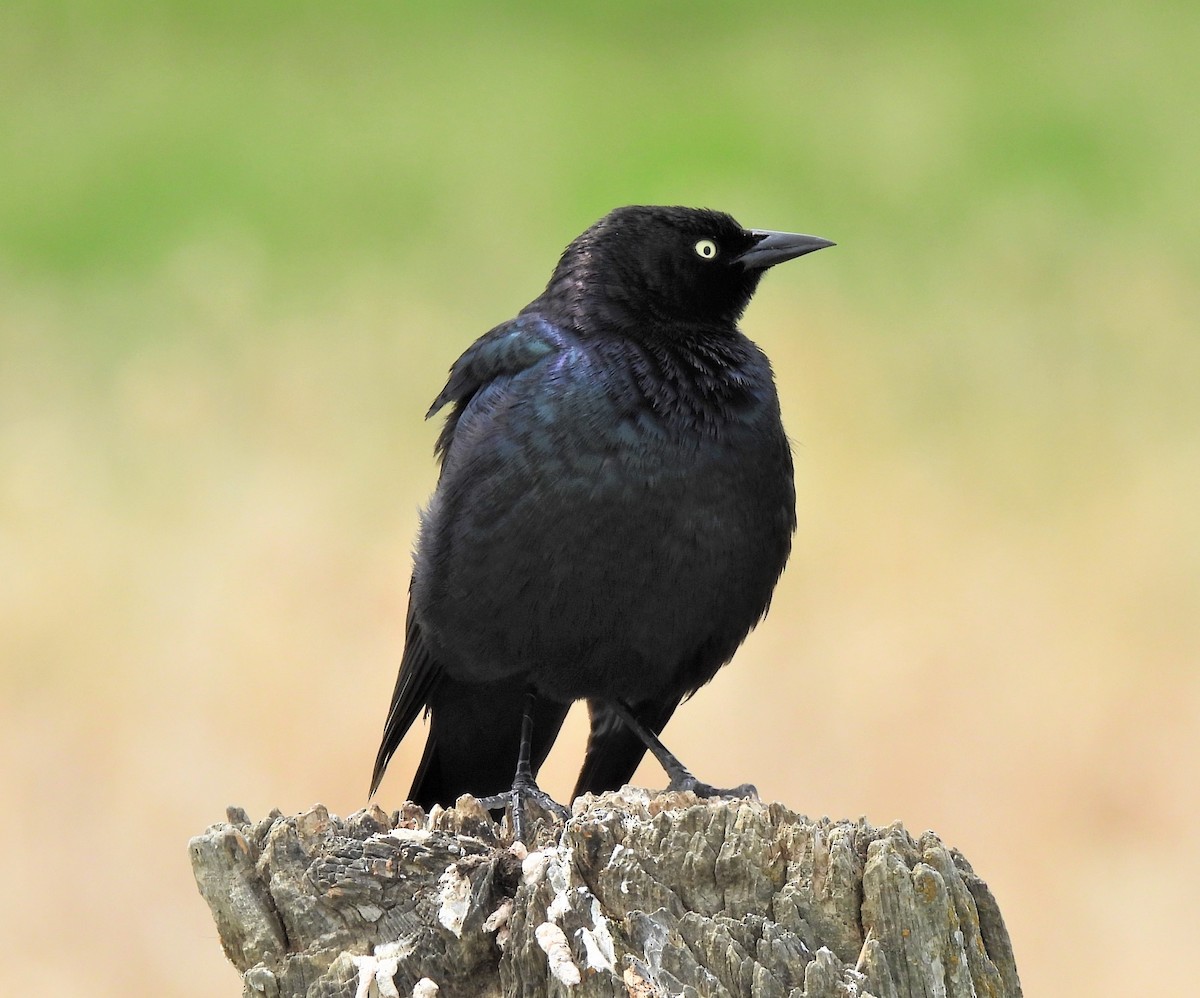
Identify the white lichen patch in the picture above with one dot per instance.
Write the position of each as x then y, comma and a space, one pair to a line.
554, 943
498, 918
455, 899
558, 907
380, 968
533, 867
497, 922
559, 869
380, 972
417, 836
558, 875
598, 941
597, 959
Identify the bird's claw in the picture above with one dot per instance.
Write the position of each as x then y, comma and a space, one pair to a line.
688, 782
519, 798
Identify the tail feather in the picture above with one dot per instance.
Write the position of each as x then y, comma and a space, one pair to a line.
474, 739
613, 750
419, 676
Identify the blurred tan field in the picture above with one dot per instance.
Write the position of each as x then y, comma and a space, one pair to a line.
240, 246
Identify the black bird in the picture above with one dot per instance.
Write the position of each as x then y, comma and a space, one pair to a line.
614, 509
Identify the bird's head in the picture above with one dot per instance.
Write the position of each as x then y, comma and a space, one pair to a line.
647, 266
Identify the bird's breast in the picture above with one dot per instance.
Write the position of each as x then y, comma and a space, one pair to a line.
582, 526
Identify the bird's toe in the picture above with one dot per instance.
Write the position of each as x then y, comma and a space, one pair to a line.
702, 789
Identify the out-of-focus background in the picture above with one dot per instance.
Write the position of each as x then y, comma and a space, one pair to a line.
240, 244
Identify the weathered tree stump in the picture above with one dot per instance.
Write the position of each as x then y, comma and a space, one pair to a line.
638, 895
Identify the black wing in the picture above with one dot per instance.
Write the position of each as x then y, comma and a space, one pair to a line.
474, 728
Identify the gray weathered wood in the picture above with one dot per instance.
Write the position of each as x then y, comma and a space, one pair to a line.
638, 895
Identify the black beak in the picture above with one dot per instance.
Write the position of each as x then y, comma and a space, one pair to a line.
775, 247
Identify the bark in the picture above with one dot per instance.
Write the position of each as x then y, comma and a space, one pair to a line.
638, 895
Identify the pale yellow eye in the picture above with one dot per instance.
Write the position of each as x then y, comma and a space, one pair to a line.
706, 249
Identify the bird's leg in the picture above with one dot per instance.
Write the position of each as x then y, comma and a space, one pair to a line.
524, 787
680, 776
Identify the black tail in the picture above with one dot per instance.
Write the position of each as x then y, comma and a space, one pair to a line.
613, 750
419, 675
474, 739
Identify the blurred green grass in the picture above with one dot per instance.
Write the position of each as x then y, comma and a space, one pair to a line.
240, 244
130, 129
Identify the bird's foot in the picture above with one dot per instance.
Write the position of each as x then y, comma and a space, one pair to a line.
680, 776
524, 795
686, 781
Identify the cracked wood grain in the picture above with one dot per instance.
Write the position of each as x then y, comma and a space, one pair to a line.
636, 895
